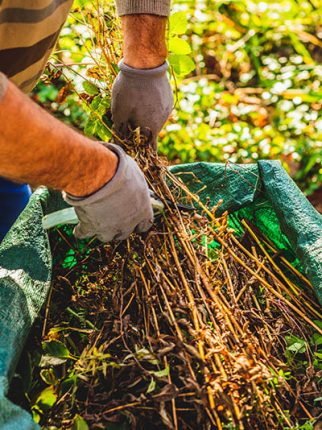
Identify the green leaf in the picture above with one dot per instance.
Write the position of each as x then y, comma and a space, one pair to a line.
295, 344
49, 361
318, 323
35, 411
95, 127
103, 132
54, 330
48, 376
91, 126
151, 386
318, 399
315, 158
47, 93
182, 64
55, 348
179, 46
317, 364
79, 4
296, 347
95, 103
90, 88
67, 383
99, 106
301, 48
162, 373
316, 339
178, 23
104, 105
47, 398
79, 423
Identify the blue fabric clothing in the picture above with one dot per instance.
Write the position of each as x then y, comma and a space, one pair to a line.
13, 199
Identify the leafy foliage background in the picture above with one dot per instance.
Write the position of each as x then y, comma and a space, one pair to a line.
247, 77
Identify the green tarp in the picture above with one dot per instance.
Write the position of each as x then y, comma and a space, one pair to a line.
262, 193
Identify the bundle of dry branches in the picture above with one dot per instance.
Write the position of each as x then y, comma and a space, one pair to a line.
185, 325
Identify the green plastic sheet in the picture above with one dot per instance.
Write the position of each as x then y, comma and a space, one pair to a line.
262, 193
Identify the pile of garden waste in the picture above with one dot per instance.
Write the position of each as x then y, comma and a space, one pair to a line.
199, 323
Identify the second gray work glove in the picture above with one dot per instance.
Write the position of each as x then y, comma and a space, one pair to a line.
141, 98
120, 207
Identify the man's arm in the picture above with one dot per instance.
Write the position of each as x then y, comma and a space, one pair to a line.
38, 149
144, 40
141, 94
107, 188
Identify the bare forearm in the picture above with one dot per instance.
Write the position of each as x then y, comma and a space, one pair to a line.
144, 40
38, 149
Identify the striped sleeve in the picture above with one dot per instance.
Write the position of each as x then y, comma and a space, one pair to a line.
151, 7
28, 33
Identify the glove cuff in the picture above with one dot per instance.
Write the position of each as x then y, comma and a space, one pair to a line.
112, 186
143, 73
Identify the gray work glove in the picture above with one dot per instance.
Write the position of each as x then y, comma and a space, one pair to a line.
141, 98
118, 208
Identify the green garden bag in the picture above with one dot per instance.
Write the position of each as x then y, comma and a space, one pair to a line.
263, 193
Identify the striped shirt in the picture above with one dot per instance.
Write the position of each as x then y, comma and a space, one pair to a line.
29, 30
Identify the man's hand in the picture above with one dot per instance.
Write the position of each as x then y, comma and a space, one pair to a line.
141, 94
118, 208
141, 98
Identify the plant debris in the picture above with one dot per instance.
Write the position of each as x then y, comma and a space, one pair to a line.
188, 326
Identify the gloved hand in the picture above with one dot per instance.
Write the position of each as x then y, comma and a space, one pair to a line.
141, 98
119, 207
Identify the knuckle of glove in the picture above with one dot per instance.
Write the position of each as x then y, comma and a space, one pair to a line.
86, 227
82, 232
107, 236
124, 234
144, 226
